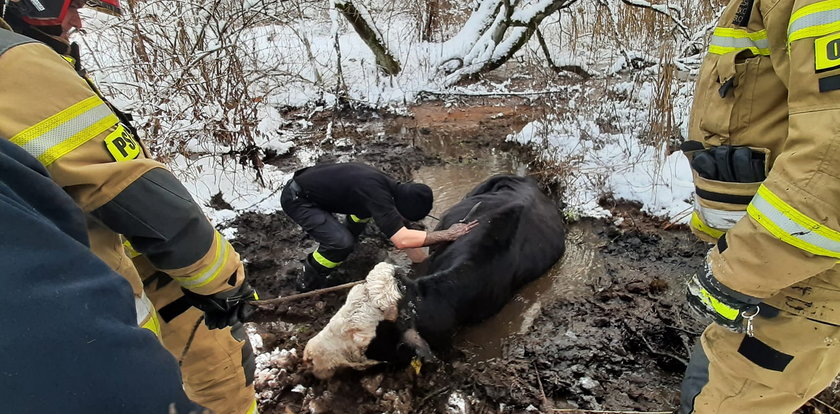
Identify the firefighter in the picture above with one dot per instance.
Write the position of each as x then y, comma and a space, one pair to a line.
80, 342
362, 193
54, 112
765, 150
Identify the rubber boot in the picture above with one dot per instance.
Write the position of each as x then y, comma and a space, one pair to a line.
314, 276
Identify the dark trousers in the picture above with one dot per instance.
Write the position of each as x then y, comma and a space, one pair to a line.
335, 239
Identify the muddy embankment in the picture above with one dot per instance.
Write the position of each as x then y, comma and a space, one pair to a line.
605, 329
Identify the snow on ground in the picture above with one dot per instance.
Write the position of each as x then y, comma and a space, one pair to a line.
624, 168
595, 162
294, 64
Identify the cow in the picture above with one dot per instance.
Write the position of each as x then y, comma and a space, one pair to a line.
394, 319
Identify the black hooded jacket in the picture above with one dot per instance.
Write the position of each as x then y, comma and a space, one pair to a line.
366, 192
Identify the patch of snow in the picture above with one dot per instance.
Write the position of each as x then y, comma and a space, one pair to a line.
456, 404
596, 162
588, 383
253, 336
207, 176
229, 233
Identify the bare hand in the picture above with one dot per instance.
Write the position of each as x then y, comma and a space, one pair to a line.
459, 229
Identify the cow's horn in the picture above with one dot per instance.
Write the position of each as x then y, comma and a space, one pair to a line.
413, 339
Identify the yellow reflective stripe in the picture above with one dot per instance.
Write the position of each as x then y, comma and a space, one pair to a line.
727, 39
356, 219
153, 324
129, 249
65, 131
329, 264
146, 316
252, 409
719, 307
211, 271
721, 50
732, 32
814, 20
698, 224
792, 226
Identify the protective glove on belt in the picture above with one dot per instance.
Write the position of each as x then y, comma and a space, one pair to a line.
224, 308
727, 163
710, 299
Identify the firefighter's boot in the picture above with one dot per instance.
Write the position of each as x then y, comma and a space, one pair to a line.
314, 275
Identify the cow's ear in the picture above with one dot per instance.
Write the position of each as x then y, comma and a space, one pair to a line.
413, 339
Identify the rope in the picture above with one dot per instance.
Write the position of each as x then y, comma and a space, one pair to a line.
291, 298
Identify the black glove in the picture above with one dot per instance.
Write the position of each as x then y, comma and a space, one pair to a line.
224, 308
729, 164
711, 299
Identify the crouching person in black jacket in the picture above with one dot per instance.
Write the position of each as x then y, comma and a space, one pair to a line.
362, 193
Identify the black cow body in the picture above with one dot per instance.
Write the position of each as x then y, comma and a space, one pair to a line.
519, 237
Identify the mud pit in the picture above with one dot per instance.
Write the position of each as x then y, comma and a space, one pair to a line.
605, 329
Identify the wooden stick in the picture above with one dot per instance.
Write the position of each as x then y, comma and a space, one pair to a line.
316, 292
577, 410
834, 410
546, 403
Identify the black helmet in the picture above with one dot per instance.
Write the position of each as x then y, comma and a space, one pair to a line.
414, 200
52, 12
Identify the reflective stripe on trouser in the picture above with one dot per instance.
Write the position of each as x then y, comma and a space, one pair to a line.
788, 361
146, 315
355, 224
323, 261
218, 369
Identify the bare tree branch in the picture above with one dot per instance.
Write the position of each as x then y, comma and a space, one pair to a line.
370, 34
669, 10
577, 70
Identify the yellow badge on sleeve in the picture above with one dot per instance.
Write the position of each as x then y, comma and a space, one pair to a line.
827, 52
122, 145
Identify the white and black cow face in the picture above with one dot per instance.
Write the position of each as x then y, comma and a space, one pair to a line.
345, 339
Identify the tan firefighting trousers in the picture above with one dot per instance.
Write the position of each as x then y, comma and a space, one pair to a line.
218, 366
788, 361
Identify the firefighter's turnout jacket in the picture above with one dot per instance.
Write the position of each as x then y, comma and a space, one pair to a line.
60, 118
771, 82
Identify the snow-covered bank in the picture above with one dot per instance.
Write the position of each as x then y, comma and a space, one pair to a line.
595, 161
211, 82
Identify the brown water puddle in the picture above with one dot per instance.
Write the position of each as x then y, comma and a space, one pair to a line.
565, 280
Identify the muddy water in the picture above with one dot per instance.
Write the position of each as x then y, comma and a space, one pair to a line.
566, 279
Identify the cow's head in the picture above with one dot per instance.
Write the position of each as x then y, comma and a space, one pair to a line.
369, 329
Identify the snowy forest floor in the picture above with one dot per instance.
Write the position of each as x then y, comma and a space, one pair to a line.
605, 329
